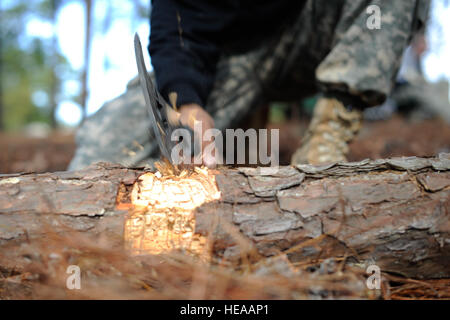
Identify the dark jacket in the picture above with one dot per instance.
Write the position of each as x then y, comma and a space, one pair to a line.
188, 36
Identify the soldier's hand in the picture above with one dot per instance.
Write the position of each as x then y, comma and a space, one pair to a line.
189, 113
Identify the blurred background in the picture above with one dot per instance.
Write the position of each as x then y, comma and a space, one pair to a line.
61, 60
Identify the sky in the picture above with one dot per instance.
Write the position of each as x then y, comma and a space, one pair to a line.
117, 46
437, 59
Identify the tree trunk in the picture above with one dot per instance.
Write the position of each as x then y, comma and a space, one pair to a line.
394, 213
87, 50
53, 90
2, 125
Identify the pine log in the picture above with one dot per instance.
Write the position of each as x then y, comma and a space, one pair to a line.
394, 212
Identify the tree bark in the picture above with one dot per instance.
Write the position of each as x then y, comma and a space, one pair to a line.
394, 213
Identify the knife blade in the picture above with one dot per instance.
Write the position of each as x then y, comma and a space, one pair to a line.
161, 114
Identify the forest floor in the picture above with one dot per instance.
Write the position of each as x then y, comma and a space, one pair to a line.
20, 153
380, 139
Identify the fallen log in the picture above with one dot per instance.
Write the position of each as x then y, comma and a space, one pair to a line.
393, 213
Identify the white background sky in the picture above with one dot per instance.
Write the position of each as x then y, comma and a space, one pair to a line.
117, 46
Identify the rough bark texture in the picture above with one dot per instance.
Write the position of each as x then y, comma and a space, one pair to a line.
393, 212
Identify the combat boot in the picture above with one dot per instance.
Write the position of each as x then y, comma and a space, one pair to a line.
332, 127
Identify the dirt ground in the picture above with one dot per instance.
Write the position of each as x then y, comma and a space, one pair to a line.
381, 139
398, 137
19, 153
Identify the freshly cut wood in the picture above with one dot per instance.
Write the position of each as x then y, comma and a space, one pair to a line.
393, 213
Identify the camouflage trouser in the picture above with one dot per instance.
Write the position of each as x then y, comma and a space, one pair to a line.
329, 47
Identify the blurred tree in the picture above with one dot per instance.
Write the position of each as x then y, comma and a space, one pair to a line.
1, 82
30, 81
87, 49
32, 68
54, 83
140, 12
95, 25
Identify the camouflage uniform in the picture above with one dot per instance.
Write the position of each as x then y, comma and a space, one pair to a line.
328, 48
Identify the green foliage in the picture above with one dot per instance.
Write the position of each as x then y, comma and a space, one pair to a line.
28, 64
35, 64
277, 112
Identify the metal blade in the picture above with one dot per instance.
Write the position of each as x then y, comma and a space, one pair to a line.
154, 102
